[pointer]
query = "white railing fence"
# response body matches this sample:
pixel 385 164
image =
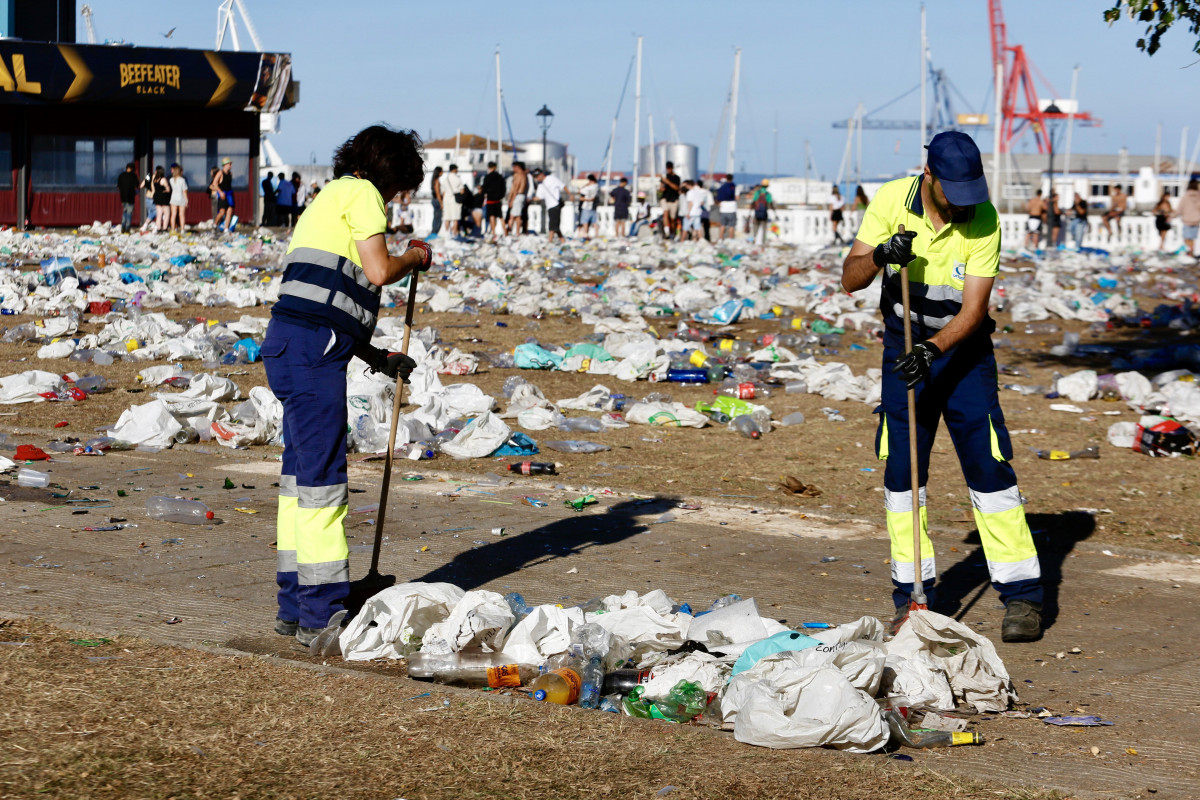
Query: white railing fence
pixel 812 227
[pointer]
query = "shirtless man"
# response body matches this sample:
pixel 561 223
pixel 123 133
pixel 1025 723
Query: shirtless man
pixel 1116 210
pixel 516 199
pixel 1033 226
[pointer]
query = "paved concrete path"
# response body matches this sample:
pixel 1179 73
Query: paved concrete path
pixel 1133 618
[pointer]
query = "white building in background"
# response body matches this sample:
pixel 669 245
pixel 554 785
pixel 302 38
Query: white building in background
pixel 471 153
pixel 1092 176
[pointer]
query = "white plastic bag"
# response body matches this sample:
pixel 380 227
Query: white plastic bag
pixel 976 674
pixel 545 631
pixel 150 424
pixel 479 438
pixel 401 615
pixel 479 618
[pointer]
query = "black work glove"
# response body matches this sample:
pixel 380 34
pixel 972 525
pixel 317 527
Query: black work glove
pixel 426 253
pixel 396 366
pixel 896 250
pixel 914 367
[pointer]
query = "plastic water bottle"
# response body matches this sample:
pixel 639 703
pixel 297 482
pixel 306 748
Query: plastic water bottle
pixel 735 347
pixel 92 383
pixel 795 418
pixel 476 669
pixel 32 479
pixel 173 509
pixel 795 387
pixel 1041 328
pixel 516 602
pixel 559 686
pixel 593 679
pixel 415 451
pixel 747 425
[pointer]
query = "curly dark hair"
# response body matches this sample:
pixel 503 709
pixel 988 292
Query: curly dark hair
pixel 390 159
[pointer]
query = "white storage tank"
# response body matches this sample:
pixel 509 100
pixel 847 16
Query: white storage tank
pixel 686 158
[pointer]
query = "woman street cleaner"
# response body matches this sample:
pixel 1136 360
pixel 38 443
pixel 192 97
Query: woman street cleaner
pixel 335 266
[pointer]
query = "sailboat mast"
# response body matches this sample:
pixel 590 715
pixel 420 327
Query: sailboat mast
pixel 637 121
pixel 499 128
pixel 737 69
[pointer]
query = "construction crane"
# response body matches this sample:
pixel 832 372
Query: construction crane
pixel 268 122
pixel 1019 88
pixel 941 116
pixel 86 13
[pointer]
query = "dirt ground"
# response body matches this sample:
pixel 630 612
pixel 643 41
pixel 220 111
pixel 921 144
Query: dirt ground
pixel 1138 502
pixel 86 716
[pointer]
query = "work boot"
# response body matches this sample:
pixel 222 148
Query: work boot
pixel 285 628
pixel 305 635
pixel 1022 622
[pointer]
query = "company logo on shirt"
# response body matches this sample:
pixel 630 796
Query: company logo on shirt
pixel 960 271
pixel 150 78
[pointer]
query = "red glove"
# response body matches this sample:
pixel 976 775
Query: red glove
pixel 426 253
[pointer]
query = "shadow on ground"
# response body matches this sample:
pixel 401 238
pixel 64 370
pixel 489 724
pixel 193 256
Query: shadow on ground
pixel 964 584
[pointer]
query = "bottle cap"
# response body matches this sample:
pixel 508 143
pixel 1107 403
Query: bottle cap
pixel 208 515
pixel 540 694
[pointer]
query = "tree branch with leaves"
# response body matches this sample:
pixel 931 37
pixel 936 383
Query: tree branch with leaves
pixel 1159 16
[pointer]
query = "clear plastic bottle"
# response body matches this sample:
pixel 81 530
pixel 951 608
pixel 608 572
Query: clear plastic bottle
pixel 186 435
pixel 715 414
pixel 795 418
pixel 476 669
pixel 174 509
pixel 902 734
pixel 592 674
pixel 92 383
pixel 1041 328
pixel 795 387
pixel 415 451
pixel 743 391
pixel 748 425
pixel 516 602
pixel 735 347
pixel 581 425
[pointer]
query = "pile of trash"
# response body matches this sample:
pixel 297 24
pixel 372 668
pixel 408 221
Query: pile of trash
pixel 838 686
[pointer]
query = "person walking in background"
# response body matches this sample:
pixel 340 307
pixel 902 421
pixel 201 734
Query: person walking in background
pixel 452 186
pixel 669 185
pixel 299 194
pixel 285 198
pixel 1162 219
pixel 1053 222
pixel 151 215
pixel 516 199
pixel 587 206
pixel 1079 220
pixel 836 204
pixel 212 194
pixel 726 209
pixel 694 195
pixel 621 199
pixel 179 199
pixel 162 200
pixel 268 195
pixel 1189 216
pixel 952 235
pixel 706 209
pixel 763 204
pixel 860 206
pixel 553 194
pixel 435 189
pixel 223 186
pixel 334 270
pixel 641 216
pixel 494 189
pixel 1036 209
pixel 127 189
pixel 1116 211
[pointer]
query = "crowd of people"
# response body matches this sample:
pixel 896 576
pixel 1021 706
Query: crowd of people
pixel 165 198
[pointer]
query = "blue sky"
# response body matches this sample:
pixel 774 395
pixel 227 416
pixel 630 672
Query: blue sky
pixel 805 63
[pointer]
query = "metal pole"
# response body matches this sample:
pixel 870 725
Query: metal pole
pixel 997 191
pixel 807 162
pixel 737 71
pixel 1183 137
pixel 1157 152
pixel 499 129
pixel 858 160
pixel 544 149
pixel 1071 123
pixel 774 148
pixel 637 122
pixel 924 80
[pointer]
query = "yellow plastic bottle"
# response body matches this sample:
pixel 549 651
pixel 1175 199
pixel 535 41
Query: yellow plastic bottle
pixel 559 686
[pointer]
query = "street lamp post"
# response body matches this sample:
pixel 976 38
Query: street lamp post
pixel 545 119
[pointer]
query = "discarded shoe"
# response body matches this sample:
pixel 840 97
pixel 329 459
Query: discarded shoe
pixel 305 636
pixel 285 628
pixel 1022 622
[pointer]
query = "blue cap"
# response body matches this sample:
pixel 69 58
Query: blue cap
pixel 955 161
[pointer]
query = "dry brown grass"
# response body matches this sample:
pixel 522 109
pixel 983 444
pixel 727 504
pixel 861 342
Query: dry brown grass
pixel 131 719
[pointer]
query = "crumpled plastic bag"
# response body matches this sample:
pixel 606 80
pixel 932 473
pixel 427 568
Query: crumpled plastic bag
pixel 479 617
pixel 28 386
pixel 802 706
pixel 702 668
pixel 917 682
pixel 532 356
pixel 537 419
pixel 1122 434
pixel 545 631
pixel 1078 387
pixel 401 615
pixel 590 400
pixel 525 396
pixel 645 629
pixel 976 674
pixel 673 415
pixel 479 438
pixel 151 424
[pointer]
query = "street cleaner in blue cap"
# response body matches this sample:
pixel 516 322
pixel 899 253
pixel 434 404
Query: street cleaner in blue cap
pixel 943 227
